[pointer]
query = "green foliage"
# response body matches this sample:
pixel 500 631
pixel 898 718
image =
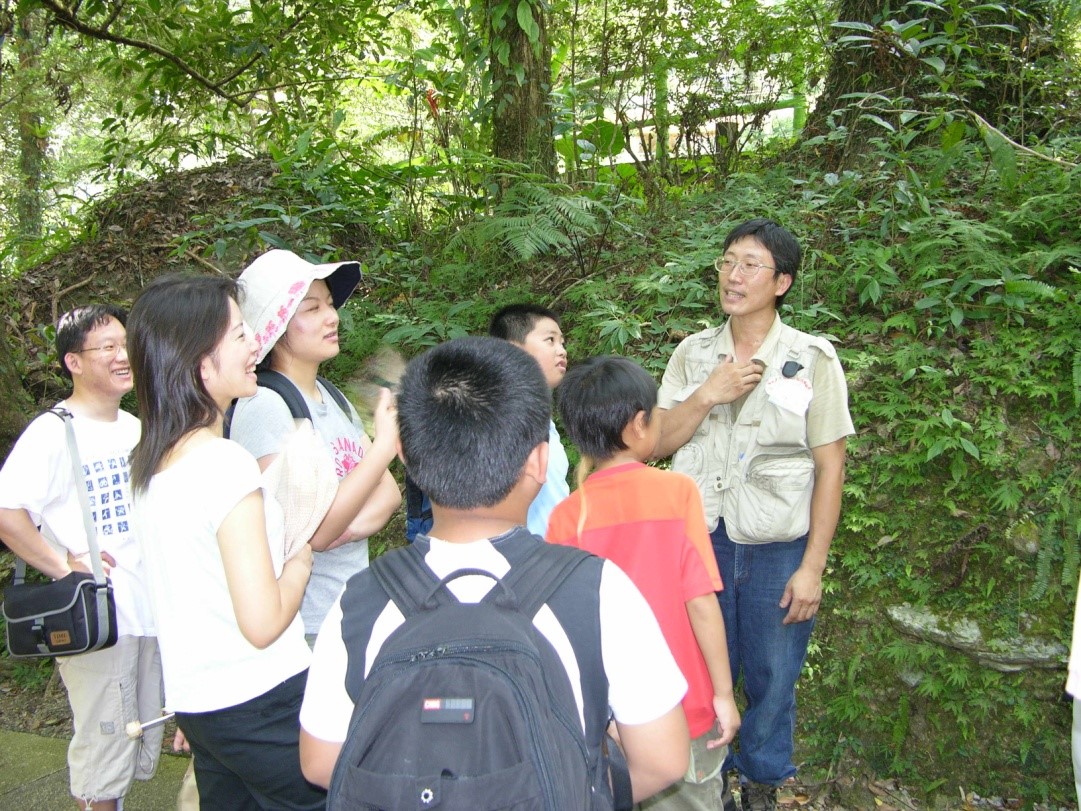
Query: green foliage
pixel 533 218
pixel 321 204
pixel 31 675
pixel 943 70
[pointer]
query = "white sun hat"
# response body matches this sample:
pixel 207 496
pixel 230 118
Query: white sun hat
pixel 303 480
pixel 272 287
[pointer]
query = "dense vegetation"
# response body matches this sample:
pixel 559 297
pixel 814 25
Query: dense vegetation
pixel 936 188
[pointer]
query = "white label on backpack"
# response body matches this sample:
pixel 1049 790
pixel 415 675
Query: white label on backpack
pixel 447 711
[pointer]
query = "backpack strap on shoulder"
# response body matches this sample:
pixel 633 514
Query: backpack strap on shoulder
pixel 535 579
pixel 336 395
pixel 284 388
pixel 287 390
pixel 407 579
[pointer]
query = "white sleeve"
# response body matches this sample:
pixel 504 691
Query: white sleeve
pixel 327 707
pixel 644 680
pixel 37 471
pixel 235 476
pixel 261 423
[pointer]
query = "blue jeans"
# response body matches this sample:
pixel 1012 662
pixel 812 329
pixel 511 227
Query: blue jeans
pixel 768 653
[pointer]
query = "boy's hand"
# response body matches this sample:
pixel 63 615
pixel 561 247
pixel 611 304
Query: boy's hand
pixel 728 721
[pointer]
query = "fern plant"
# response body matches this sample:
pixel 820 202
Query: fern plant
pixel 532 219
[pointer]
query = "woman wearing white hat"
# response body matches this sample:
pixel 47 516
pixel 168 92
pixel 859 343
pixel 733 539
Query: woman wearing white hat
pixel 292 306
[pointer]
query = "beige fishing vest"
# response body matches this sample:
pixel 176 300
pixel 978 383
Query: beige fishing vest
pixel 756 468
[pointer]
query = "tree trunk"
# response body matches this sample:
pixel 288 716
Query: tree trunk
pixel 520 68
pixel 852 70
pixel 999 63
pixel 32 141
pixel 16 406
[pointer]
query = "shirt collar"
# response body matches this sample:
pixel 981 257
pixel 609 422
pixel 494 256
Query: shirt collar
pixel 764 352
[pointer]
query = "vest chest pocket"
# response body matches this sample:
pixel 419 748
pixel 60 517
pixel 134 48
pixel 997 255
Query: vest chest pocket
pixel 782 427
pixel 691 459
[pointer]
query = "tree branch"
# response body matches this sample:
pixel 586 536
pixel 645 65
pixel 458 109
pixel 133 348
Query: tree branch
pixel 67 19
pixel 247 65
pixel 305 83
pixel 117 8
pixel 982 122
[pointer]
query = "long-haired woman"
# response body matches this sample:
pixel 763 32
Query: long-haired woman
pixel 225 599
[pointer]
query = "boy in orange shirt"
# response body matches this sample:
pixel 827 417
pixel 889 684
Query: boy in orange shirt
pixel 651 523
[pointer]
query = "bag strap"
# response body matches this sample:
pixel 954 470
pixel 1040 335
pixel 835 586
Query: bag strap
pixel 294 400
pixel 620 775
pixel 336 395
pixel 535 579
pixel 79 483
pixel 407 579
pixel 287 390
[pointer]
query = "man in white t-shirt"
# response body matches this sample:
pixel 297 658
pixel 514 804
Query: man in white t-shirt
pixel 473 419
pixel 41 521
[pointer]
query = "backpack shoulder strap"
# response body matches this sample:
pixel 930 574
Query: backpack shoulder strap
pixel 336 395
pixel 535 579
pixel 287 390
pixel 284 388
pixel 407 579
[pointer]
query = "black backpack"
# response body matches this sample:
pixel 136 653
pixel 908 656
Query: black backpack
pixel 468 706
pixel 294 400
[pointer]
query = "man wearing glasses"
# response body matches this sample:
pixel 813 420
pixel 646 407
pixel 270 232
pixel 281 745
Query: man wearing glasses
pixel 756 413
pixel 108 688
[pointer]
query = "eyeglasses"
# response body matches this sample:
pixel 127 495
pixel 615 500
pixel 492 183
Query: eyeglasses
pixel 107 350
pixel 750 269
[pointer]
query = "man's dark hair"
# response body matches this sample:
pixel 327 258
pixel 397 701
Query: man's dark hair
pixel 469 413
pixel 598 397
pixel 515 321
pixel 74 325
pixel 775 238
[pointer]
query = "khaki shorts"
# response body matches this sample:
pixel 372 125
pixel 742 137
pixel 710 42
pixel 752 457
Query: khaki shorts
pixel 107 689
pixel 701 788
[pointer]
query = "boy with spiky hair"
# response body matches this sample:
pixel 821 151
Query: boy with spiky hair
pixel 473 425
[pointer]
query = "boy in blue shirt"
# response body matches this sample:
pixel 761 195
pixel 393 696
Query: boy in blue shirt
pixel 537 330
